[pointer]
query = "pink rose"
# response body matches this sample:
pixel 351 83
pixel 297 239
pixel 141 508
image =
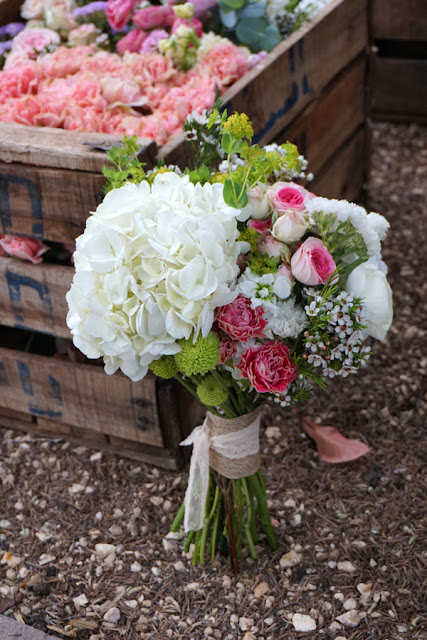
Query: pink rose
pixel 227 349
pixel 258 203
pixel 262 226
pixel 119 12
pixel 131 42
pixel 271 247
pixel 290 226
pixel 31 41
pixel 288 195
pixel 23 248
pixel 268 366
pixel 192 23
pixel 152 17
pixel 312 263
pixel 239 321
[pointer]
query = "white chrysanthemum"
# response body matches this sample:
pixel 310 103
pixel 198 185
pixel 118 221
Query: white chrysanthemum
pixel 285 319
pixel 151 267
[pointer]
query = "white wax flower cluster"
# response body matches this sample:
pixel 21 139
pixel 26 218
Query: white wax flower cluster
pixel 151 266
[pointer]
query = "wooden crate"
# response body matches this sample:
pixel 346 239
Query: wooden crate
pixel 399 60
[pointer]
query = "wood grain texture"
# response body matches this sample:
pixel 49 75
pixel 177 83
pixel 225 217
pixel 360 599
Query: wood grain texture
pixel 112 444
pixel 399 19
pixel 399 88
pixel 58 148
pixel 343 176
pixel 32 296
pixel 80 395
pixel 323 127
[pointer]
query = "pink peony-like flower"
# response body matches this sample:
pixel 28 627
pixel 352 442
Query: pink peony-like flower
pixel 288 195
pixel 132 42
pixel 23 248
pixel 239 321
pixel 31 41
pixel 64 61
pixel 152 17
pixel 120 90
pixel 192 23
pixel 227 349
pixel 268 366
pixel 119 12
pixel 18 81
pixel 312 263
pixel 151 42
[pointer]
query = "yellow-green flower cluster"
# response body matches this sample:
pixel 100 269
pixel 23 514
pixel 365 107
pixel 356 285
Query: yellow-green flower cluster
pixel 211 392
pixel 239 126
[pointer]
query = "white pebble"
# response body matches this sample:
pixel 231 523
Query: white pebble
pixel 302 622
pixel 290 559
pixel 246 623
pixel 80 600
pixel 112 615
pixel 346 566
pixel 364 588
pixel 96 457
pixel 103 549
pixel 136 567
pixel 349 604
pixel 350 618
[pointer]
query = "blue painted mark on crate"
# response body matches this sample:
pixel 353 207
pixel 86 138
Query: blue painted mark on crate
pixel 301 50
pixel 25 377
pixel 4 380
pixel 55 389
pixel 273 117
pixel 15 282
pixel 35 201
pixel 306 89
pixel 291 59
pixel 27 387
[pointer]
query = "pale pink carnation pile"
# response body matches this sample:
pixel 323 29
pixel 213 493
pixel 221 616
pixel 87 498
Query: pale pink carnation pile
pixel 85 89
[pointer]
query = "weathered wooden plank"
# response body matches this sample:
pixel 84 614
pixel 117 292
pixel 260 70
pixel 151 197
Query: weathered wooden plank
pixel 80 395
pixel 399 20
pixel 51 429
pixel 9 10
pixel 343 176
pixel 41 202
pixel 323 127
pixel 296 71
pixel 33 296
pixel 58 148
pixel 399 88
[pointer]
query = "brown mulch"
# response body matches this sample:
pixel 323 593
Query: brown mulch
pixel 355 525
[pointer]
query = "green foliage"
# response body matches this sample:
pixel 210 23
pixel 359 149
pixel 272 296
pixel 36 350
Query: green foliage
pixel 202 174
pixel 261 264
pixel 127 166
pixel 341 240
pixel 246 22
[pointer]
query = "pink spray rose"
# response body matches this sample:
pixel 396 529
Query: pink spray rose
pixel 258 203
pixel 288 195
pixel 119 12
pixel 268 366
pixel 152 17
pixel 312 263
pixel 290 226
pixel 239 321
pixel 23 248
pixel 271 247
pixel 131 42
pixel 262 226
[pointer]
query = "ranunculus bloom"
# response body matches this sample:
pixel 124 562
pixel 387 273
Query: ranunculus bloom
pixel 23 248
pixel 152 17
pixel 312 263
pixel 268 366
pixel 369 283
pixel 262 226
pixel 239 321
pixel 132 42
pixel 290 226
pixel 227 349
pixel 288 195
pixel 119 12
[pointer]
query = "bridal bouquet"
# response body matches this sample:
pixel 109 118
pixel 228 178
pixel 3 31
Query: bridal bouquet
pixel 241 284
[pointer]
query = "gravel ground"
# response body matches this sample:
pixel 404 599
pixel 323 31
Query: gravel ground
pixel 84 534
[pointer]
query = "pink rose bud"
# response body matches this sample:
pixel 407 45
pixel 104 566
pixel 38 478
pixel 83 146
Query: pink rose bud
pixel 152 17
pixel 131 42
pixel 312 263
pixel 268 366
pixel 262 226
pixel 259 204
pixel 191 23
pixel 23 248
pixel 288 195
pixel 290 226
pixel 151 42
pixel 239 321
pixel 271 247
pixel 119 12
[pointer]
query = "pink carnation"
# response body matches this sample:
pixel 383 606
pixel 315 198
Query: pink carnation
pixel 268 366
pixel 64 61
pixel 312 263
pixel 23 248
pixel 23 78
pixel 225 61
pixel 239 321
pixel 119 12
pixel 152 41
pixel 32 41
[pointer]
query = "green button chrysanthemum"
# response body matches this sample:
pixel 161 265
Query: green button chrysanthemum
pixel 199 357
pixel 210 392
pixel 165 367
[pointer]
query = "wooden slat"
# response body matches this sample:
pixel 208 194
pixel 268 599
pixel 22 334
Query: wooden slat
pixel 329 121
pixel 80 395
pixel 343 177
pixel 51 429
pixel 399 19
pixel 9 10
pixel 58 148
pixel 296 71
pixel 51 204
pixel 399 88
pixel 32 296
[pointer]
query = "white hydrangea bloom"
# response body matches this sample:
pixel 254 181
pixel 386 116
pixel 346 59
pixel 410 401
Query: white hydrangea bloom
pixel 151 267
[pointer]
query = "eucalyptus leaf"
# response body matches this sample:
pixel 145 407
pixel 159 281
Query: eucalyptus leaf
pixel 232 4
pixel 254 10
pixel 228 18
pixel 270 38
pixel 248 31
pixel 233 194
